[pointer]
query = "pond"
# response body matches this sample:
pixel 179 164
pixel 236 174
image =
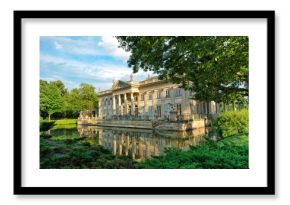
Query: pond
pixel 138 144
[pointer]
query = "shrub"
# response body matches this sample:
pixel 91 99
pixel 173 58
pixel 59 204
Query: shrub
pixel 232 123
pixel 46 125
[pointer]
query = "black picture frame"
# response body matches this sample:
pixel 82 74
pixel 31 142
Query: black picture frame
pixel 19 189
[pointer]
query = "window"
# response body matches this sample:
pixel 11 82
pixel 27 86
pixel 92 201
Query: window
pixel 178 92
pixel 150 110
pixel 158 94
pixel 167 94
pixel 167 108
pixel 179 111
pixel 150 95
pixel 158 110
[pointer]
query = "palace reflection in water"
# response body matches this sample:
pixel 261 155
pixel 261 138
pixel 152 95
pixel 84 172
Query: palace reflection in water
pixel 140 144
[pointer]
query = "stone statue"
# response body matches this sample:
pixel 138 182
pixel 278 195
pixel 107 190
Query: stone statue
pixel 131 77
pixel 148 76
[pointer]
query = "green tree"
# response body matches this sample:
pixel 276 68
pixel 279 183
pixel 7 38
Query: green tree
pixel 57 101
pixel 213 67
pixel 88 96
pixel 50 98
pixel 73 103
pixel 60 85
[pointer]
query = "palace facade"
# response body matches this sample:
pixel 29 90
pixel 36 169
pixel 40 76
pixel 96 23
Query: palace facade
pixel 150 99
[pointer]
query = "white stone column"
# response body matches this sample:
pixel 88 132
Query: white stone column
pixel 114 145
pixel 133 148
pixel 132 103
pixel 153 110
pixel 144 110
pixel 119 104
pixel 99 109
pixel 125 101
pixel 139 104
pixel 114 105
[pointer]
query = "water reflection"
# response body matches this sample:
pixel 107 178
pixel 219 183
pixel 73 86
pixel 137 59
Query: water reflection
pixel 140 144
pixel 137 143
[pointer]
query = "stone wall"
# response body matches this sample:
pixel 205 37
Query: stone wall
pixel 118 123
pixel 172 126
pixel 182 126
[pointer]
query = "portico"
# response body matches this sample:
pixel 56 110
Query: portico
pixel 125 103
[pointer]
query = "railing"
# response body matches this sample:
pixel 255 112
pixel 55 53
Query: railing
pixel 179 118
pixel 152 80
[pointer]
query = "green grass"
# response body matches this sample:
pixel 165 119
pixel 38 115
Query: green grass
pixel 65 124
pixel 231 153
pixel 65 121
pixel 58 124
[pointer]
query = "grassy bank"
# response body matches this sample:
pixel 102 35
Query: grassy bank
pixel 75 152
pixel 46 125
pixel 57 124
pixel 65 121
pixel 65 124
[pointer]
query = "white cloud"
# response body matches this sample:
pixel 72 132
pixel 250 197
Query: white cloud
pixel 81 46
pixel 110 44
pixel 57 45
pixel 102 72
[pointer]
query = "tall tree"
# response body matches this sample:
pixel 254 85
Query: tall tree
pixel 88 96
pixel 73 103
pixel 214 67
pixel 60 85
pixel 50 98
pixel 56 100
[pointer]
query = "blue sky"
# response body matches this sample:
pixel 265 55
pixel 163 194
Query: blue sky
pixel 84 59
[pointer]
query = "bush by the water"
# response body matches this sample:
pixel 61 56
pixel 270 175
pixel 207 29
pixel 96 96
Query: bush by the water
pixel 74 152
pixel 46 125
pixel 232 122
pixel 229 153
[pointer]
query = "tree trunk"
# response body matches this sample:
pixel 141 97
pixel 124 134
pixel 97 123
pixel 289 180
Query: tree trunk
pixel 48 117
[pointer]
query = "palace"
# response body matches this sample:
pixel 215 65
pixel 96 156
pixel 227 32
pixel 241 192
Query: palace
pixel 150 99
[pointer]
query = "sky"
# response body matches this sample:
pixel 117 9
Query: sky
pixel 96 60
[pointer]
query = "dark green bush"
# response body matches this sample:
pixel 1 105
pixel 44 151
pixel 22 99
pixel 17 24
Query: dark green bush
pixel 229 153
pixel 232 122
pixel 46 125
